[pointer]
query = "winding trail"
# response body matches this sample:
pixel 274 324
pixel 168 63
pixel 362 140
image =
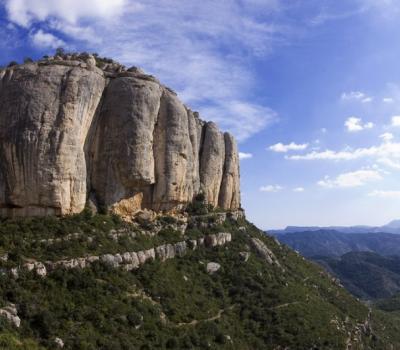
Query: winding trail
pixel 213 318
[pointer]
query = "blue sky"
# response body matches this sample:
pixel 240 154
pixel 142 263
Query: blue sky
pixel 310 88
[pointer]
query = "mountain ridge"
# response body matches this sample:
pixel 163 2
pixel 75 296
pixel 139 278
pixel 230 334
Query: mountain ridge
pixel 391 227
pixel 334 243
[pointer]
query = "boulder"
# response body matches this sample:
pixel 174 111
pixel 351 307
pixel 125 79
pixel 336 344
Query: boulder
pixel 180 248
pixel 210 240
pixel 212 267
pixel 59 343
pixel 110 260
pixel 40 269
pixel 166 251
pixel 9 312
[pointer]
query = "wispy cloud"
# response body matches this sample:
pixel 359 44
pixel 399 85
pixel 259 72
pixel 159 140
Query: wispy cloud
pixel 386 150
pixel 271 188
pixel 243 155
pixel 387 136
pixel 387 100
pixel 385 8
pixel 42 39
pixel 385 194
pixel 354 124
pixel 351 179
pixel 396 120
pixel 298 189
pixel 356 96
pixel 200 49
pixel 292 146
pixel 26 12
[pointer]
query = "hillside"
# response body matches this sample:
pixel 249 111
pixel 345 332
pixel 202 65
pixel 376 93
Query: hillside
pixel 366 275
pixel 334 243
pixel 122 227
pixel 258 295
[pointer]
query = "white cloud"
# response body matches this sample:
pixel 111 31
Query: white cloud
pixel 387 136
pixel 354 124
pixel 25 12
pixel 388 100
pixel 351 179
pixel 386 150
pixel 367 99
pixel 45 40
pixel 299 189
pixel 242 118
pixel 356 96
pixel 200 49
pixel 386 9
pixel 271 188
pixel 385 194
pixel 280 147
pixel 389 162
pixel 324 130
pixel 396 120
pixel 243 155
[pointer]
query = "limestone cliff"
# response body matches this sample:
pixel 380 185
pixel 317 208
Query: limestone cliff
pixel 71 131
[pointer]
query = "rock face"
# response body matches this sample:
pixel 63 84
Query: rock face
pixel 72 133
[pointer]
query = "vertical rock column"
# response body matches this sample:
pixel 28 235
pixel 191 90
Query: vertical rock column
pixel 212 163
pixel 174 155
pixel 229 196
pixel 46 111
pixel 123 169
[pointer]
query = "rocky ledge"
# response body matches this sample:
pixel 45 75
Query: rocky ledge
pixel 126 260
pixel 75 130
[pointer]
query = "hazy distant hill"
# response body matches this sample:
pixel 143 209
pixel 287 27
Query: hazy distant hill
pixel 334 243
pixel 391 227
pixel 367 264
pixel 364 274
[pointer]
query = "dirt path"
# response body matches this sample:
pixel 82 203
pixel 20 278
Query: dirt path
pixel 213 318
pixel 284 305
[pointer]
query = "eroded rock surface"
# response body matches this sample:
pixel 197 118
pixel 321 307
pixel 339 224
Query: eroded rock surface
pixel 72 133
pixel 9 312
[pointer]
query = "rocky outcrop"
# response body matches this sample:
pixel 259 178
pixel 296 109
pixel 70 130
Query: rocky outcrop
pixel 45 116
pixel 218 239
pixel 212 267
pixel 71 132
pixel 264 252
pixel 127 260
pixel 9 312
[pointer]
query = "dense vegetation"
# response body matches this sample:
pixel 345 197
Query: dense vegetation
pixel 176 304
pixel 366 275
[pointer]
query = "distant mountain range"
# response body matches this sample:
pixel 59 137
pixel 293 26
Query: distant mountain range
pixel 333 243
pixel 365 259
pixel 391 227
